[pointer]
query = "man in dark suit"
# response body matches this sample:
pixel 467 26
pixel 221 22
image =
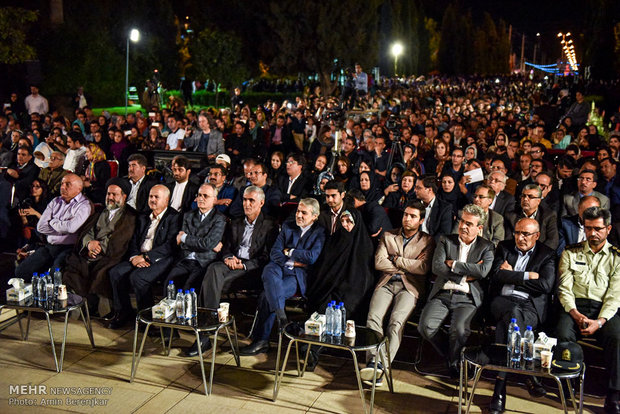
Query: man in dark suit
pixel 571 227
pixel 374 216
pixel 459 262
pixel 297 247
pixel 294 185
pixel 141 185
pixel 151 252
pixel 22 172
pixel 329 218
pixel 522 278
pixel 504 203
pixel 183 189
pixel 438 220
pixel 247 243
pixel 258 178
pixel 586 183
pixel 547 219
pixel 199 240
pixel 281 136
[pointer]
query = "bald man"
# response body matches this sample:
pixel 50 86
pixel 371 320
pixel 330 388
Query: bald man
pixel 522 278
pixel 151 252
pixel 59 224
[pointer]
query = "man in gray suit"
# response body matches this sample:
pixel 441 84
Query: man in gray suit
pixel 200 240
pixel 586 182
pixel 494 226
pixel 459 262
pixel 206 138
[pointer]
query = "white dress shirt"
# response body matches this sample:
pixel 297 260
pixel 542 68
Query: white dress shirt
pixel 177 195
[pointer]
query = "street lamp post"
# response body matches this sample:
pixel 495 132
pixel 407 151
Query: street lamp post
pixel 134 36
pixel 397 50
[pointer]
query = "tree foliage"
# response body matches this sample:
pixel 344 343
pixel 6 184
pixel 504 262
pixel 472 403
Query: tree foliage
pixel 14 23
pixel 311 35
pixel 217 56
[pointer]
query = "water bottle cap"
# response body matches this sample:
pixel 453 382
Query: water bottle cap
pixel 516 329
pixel 513 320
pixel 529 328
pixel 341 304
pixel 35 274
pixel 180 290
pixel 58 269
pixel 192 290
pixel 186 292
pixel 171 282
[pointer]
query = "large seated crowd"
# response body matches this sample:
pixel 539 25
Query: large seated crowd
pixel 496 198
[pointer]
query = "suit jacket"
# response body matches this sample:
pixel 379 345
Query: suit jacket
pixel 542 261
pixel 87 276
pixel 548 223
pixel 570 203
pixel 439 222
pixel 263 237
pixel 164 242
pixel 504 204
pixel 270 208
pixel 202 236
pixel 448 249
pixel 215 146
pixel 142 199
pixel 493 229
pixel 189 194
pixel 569 232
pixel 306 249
pixel 299 188
pixel 414 261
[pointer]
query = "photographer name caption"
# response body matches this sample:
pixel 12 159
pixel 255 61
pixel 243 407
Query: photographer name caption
pixel 43 395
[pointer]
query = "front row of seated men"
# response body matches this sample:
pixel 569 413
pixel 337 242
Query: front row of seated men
pixel 521 272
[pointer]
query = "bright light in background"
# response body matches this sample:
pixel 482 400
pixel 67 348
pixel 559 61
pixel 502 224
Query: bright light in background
pixel 397 49
pixel 134 35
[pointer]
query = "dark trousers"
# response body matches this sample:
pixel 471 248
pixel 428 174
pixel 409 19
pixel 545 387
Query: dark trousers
pixel 217 281
pixel 608 336
pixel 280 284
pixel 124 275
pixel 186 274
pixel 461 309
pixel 503 309
pixel 46 256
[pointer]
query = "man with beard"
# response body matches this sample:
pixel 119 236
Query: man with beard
pixel 588 293
pixel 225 192
pixel 183 189
pixel 296 247
pixel 101 245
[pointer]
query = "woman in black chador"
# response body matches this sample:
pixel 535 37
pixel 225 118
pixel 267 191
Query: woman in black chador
pixel 345 270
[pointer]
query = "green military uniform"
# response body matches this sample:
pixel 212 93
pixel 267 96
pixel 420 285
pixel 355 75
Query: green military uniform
pixel 590 283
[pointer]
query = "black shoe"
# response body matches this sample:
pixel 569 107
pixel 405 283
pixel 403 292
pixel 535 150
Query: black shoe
pixel 108 316
pixel 498 401
pixel 535 387
pixel 192 351
pixel 121 319
pixel 612 407
pixel 255 348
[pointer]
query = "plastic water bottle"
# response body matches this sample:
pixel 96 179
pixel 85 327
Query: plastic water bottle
pixel 42 288
pixel 528 344
pixel 188 305
pixel 337 329
pixel 511 328
pixel 180 306
pixel 329 316
pixel 49 286
pixel 192 291
pixel 170 291
pixel 515 346
pixel 57 281
pixel 35 286
pixel 343 320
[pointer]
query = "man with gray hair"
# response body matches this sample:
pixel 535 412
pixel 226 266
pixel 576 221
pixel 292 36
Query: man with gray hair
pixel 199 239
pixel 460 261
pixel 522 279
pixel 531 197
pixel 246 245
pixel 151 252
pixel 504 202
pixel 52 174
pixel 296 247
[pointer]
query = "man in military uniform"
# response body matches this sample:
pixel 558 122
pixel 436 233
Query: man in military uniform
pixel 589 292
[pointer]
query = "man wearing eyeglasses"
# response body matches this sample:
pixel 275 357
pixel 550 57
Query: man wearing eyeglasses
pixel 586 182
pixel 522 279
pixel 588 293
pixel 53 173
pixel 550 194
pixel 547 219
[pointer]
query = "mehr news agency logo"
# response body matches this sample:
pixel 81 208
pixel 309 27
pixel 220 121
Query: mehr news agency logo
pixel 44 396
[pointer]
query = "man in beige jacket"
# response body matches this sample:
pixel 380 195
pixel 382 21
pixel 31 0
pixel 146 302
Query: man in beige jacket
pixel 404 257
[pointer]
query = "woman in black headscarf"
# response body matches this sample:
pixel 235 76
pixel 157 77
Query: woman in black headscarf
pixel 344 272
pixel 449 192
